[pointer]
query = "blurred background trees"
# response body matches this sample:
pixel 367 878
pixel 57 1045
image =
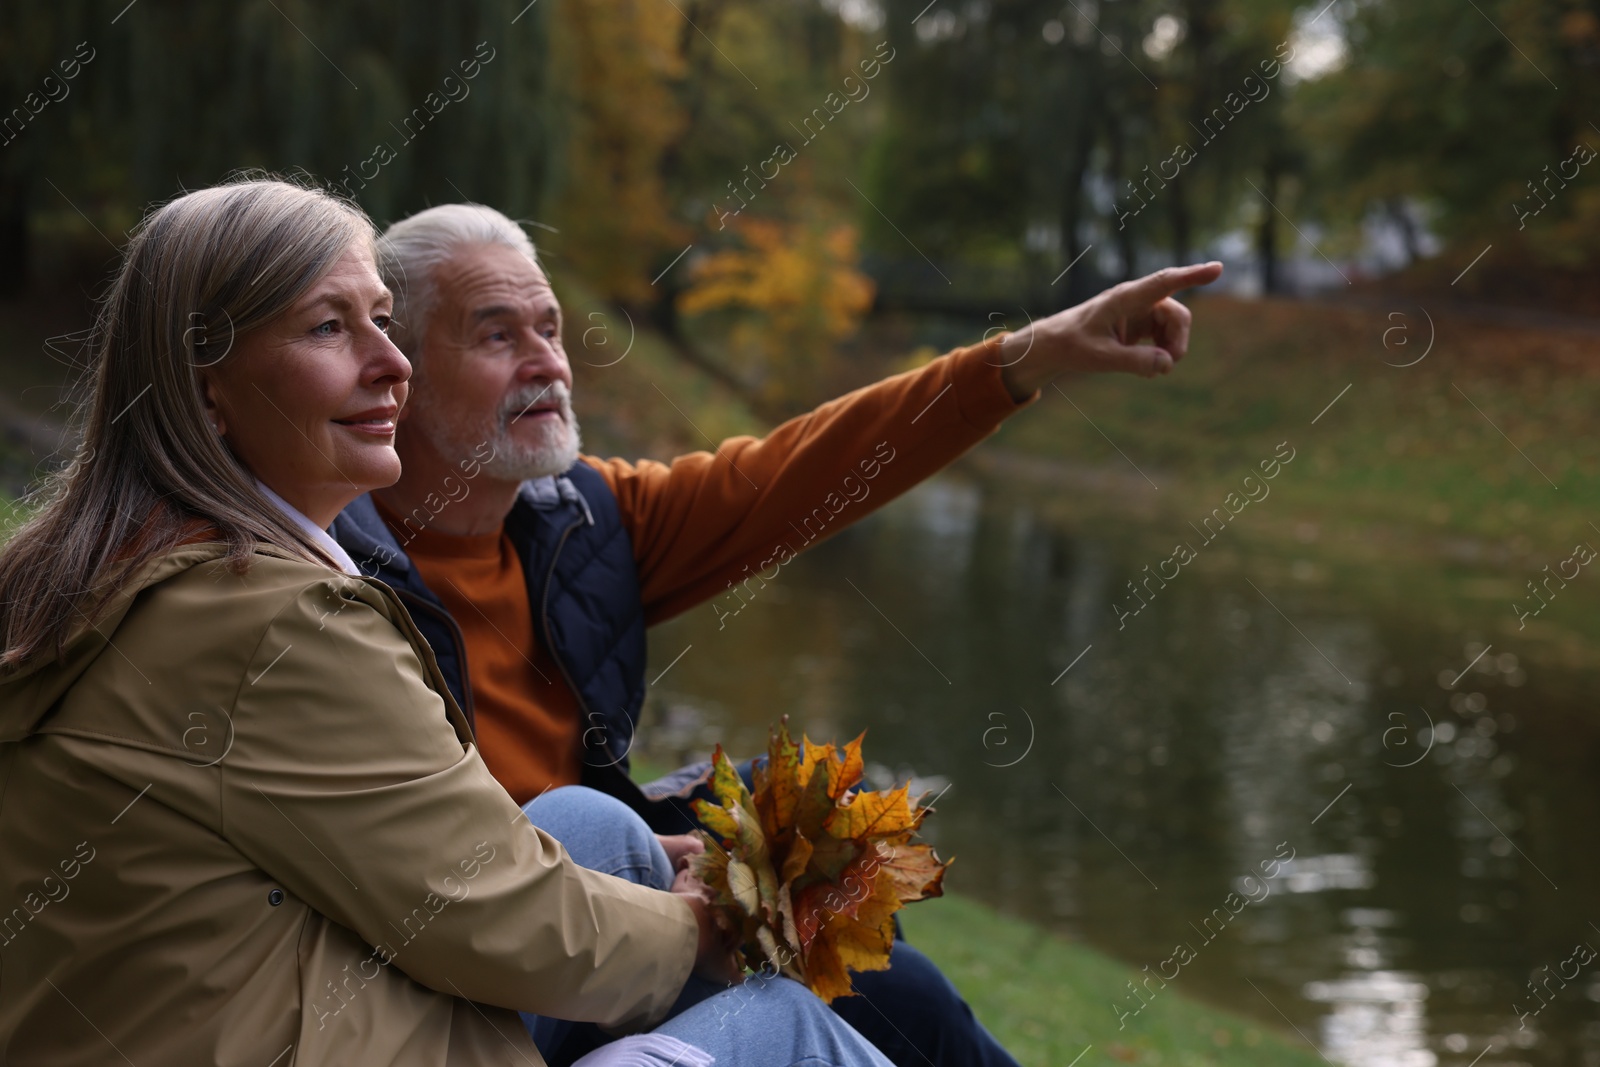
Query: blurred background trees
pixel 997 143
pixel 180 94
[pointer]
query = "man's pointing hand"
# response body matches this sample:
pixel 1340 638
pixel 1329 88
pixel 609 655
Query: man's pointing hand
pixel 1104 333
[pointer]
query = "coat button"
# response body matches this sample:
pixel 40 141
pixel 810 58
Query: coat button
pixel 275 897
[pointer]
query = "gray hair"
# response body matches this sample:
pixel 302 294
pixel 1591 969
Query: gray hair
pixel 411 250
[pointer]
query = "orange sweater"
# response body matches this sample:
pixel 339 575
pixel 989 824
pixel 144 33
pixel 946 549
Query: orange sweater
pixel 698 525
pixel 524 715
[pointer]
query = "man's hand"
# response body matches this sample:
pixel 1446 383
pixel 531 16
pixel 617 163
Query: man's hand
pixel 716 955
pixel 1104 332
pixel 680 847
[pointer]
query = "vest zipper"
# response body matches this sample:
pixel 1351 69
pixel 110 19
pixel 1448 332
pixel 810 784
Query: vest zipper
pixel 544 618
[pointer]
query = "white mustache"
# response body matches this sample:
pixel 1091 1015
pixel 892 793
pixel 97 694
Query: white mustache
pixel 524 399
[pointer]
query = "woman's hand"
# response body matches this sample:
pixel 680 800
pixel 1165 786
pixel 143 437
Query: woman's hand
pixel 716 956
pixel 680 848
pixel 1103 333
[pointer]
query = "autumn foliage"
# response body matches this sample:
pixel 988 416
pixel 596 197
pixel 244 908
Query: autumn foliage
pixel 783 295
pixel 811 873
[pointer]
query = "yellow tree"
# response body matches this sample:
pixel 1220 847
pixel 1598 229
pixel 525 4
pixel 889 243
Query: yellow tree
pixel 788 293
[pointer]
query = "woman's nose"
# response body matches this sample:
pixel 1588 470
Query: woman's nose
pixel 386 361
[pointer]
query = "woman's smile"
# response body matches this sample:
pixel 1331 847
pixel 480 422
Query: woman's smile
pixel 376 422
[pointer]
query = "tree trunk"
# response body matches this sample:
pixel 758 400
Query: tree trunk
pixel 1181 224
pixel 1200 36
pixel 1074 288
pixel 1267 236
pixel 1124 236
pixel 1396 208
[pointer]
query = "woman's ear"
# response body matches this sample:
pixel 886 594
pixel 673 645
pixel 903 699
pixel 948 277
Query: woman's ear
pixel 210 399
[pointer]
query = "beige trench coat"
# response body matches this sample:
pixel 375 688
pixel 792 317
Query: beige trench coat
pixel 245 823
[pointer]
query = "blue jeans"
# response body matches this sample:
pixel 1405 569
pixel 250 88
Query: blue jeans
pixel 766 1022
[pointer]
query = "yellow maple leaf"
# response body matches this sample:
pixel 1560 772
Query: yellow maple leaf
pixel 810 872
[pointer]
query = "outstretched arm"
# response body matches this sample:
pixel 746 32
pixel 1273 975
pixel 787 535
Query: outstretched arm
pixel 712 519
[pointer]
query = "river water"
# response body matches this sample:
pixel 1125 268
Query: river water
pixel 1287 796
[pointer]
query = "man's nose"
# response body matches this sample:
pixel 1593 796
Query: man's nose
pixel 540 358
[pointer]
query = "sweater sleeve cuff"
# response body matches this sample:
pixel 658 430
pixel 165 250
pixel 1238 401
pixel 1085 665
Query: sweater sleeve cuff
pixel 984 400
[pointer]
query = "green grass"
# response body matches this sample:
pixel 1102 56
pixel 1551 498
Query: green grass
pixel 1045 999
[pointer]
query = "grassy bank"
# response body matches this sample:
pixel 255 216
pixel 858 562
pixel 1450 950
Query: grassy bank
pixel 1045 999
pixel 1487 437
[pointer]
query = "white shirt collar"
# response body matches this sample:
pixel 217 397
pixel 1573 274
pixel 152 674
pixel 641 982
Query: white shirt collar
pixel 320 536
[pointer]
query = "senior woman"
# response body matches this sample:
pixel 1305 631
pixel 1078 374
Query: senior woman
pixel 241 819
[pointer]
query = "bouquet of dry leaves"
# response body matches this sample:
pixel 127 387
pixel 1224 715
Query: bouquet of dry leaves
pixel 810 873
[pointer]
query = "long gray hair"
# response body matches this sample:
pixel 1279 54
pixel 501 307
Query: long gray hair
pixel 150 469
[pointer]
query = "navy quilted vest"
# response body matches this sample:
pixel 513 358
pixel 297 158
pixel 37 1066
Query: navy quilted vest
pixel 584 588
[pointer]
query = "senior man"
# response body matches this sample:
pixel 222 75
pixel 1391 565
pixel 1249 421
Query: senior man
pixel 534 571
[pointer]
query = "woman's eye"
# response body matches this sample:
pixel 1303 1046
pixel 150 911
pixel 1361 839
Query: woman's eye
pixel 326 329
pixel 383 322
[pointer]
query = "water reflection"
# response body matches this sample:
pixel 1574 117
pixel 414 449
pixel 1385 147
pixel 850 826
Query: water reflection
pixel 1376 1017
pixel 1435 793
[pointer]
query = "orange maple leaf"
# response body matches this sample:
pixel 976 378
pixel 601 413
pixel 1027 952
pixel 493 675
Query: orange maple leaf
pixel 810 873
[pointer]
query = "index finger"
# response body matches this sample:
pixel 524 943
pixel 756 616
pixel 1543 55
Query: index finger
pixel 1141 294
